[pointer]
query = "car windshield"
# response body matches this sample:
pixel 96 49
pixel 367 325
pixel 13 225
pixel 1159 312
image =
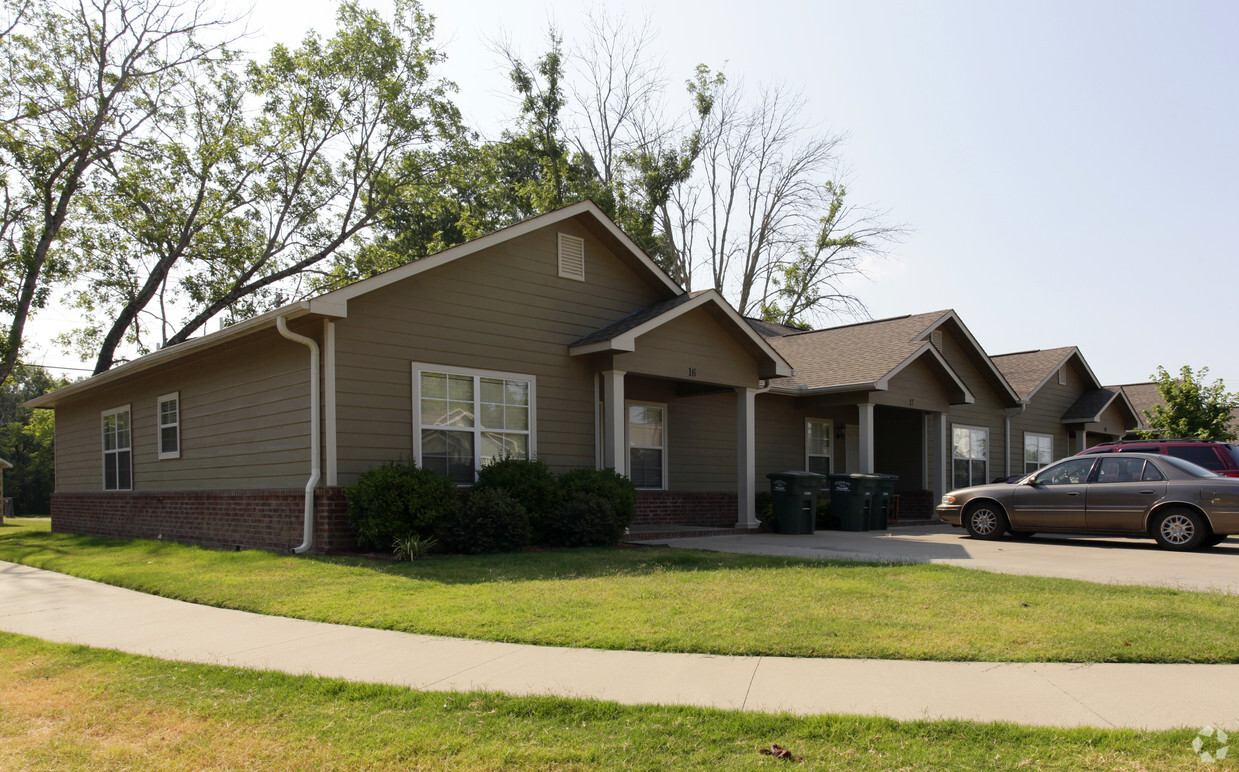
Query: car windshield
pixel 1195 470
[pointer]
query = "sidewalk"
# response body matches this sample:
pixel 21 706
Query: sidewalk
pixel 60 608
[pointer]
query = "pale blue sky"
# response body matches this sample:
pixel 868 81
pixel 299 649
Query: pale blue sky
pixel 1069 168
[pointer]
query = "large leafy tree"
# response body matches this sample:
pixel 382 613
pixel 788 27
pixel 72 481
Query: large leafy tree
pixel 26 440
pixel 1192 407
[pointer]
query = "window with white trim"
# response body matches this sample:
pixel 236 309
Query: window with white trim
pixel 466 419
pixel 1038 451
pixel 169 410
pixel 969 456
pixel 817 444
pixel 117 450
pixel 647 445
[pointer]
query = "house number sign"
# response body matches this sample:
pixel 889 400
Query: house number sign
pixel 692 372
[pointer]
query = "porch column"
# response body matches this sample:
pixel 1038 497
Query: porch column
pixel 1083 440
pixel 614 452
pixel 746 458
pixel 940 457
pixel 866 437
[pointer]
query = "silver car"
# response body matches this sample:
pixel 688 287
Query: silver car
pixel 1179 504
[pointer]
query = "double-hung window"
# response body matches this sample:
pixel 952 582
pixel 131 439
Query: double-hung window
pixel 647 445
pixel 969 456
pixel 466 419
pixel 170 426
pixel 1038 451
pixel 117 450
pixel 817 445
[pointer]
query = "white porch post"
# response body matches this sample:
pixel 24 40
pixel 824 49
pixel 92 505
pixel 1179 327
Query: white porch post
pixel 1083 440
pixel 940 456
pixel 614 452
pixel 866 437
pixel 746 458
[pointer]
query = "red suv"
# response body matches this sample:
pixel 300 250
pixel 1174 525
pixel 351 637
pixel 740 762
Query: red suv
pixel 1221 457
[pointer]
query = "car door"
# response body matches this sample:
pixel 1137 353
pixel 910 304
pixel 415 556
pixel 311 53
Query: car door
pixel 1054 498
pixel 1123 491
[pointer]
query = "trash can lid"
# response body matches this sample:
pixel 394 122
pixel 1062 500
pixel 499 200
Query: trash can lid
pixel 797 475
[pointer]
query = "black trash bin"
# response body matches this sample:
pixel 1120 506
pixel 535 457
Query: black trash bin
pixel 852 500
pixel 880 512
pixel 794 500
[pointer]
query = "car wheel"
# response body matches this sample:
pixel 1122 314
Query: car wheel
pixel 1215 540
pixel 985 520
pixel 1179 529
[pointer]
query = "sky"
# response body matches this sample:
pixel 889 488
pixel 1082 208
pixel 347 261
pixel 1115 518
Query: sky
pixel 1068 170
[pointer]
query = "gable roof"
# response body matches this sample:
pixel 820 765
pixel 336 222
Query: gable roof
pixel 622 335
pixel 1089 406
pixel 1028 371
pixel 1142 396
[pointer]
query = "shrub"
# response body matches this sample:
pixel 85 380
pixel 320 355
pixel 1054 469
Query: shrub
pixel 490 521
pixel 764 506
pixel 529 482
pixel 584 520
pixel 606 484
pixel 397 500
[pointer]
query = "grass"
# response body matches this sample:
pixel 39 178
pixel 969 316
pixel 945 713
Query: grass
pixel 652 599
pixel 69 707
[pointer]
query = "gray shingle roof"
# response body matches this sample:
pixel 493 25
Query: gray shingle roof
pixel 1089 405
pixel 1142 396
pixel 771 329
pixel 856 353
pixel 635 319
pixel 1026 370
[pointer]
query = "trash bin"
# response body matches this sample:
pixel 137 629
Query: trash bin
pixel 880 512
pixel 794 500
pixel 852 500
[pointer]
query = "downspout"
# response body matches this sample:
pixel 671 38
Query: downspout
pixel 1007 415
pixel 307 537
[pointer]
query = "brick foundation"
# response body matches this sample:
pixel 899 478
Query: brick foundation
pixel 270 519
pixel 717 510
pixel 917 505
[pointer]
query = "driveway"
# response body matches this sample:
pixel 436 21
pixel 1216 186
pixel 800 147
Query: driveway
pixel 1091 558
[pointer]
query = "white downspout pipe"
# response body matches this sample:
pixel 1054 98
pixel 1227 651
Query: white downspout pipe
pixel 307 537
pixel 1007 415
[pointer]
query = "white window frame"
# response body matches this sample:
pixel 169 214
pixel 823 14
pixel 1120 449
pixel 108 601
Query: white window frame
pixel 477 429
pixel 830 436
pixel 970 459
pixel 103 446
pixel 1038 436
pixel 631 403
pixel 160 425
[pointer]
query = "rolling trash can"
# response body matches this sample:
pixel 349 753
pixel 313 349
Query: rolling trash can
pixel 880 512
pixel 794 500
pixel 852 500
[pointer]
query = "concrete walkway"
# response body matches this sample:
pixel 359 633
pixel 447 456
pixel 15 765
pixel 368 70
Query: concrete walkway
pixel 60 608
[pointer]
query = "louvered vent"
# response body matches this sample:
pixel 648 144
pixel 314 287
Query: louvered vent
pixel 1062 376
pixel 936 338
pixel 571 257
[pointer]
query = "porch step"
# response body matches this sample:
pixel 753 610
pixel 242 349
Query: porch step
pixel 644 533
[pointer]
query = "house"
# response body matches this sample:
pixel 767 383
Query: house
pixel 556 338
pixel 1143 396
pixel 1065 408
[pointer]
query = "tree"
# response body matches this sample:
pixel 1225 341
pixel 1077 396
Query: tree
pixel 81 83
pixel 26 439
pixel 1192 408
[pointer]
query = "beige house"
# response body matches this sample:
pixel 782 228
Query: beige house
pixel 1066 409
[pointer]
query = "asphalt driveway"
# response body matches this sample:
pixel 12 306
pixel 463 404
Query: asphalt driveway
pixel 1091 558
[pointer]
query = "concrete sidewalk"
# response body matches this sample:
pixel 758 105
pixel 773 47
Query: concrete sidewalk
pixel 60 608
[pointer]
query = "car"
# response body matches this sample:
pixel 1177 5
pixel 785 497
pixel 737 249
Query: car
pixel 1179 504
pixel 1220 457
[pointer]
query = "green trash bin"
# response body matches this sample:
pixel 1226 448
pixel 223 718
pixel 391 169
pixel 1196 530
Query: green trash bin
pixel 794 500
pixel 880 512
pixel 852 500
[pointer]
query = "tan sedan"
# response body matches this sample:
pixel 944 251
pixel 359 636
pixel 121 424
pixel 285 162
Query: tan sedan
pixel 1179 504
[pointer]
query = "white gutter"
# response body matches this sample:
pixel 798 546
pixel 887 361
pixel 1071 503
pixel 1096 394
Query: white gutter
pixel 307 539
pixel 1007 415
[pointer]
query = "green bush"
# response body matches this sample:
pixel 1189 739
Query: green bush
pixel 397 500
pixel 529 482
pixel 606 484
pixel 584 519
pixel 764 506
pixel 491 520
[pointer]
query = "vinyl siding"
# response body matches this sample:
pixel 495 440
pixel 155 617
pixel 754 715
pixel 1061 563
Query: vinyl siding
pixel 985 412
pixel 701 435
pixel 244 421
pixel 692 347
pixel 504 309
pixel 1044 415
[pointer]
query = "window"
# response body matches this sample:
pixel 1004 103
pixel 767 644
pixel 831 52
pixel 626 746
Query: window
pixel 1038 451
pixel 117 450
pixel 817 445
pixel 170 425
pixel 969 455
pixel 466 419
pixel 1119 469
pixel 647 445
pixel 1073 472
pixel 1204 455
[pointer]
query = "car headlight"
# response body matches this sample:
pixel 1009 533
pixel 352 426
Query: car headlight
pixel 948 498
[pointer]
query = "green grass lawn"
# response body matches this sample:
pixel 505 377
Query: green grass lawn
pixel 71 707
pixel 658 599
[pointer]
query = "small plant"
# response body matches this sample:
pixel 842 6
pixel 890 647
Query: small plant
pixel 413 547
pixel 764 507
pixel 489 521
pixel 395 500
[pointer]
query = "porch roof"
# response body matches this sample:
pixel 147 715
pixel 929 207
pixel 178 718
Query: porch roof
pixel 1091 404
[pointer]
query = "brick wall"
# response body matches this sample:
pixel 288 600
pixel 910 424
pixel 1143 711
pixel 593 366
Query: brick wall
pixel 269 519
pixel 670 508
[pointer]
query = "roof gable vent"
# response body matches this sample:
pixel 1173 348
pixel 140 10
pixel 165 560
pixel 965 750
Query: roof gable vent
pixel 571 257
pixel 936 338
pixel 1062 375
